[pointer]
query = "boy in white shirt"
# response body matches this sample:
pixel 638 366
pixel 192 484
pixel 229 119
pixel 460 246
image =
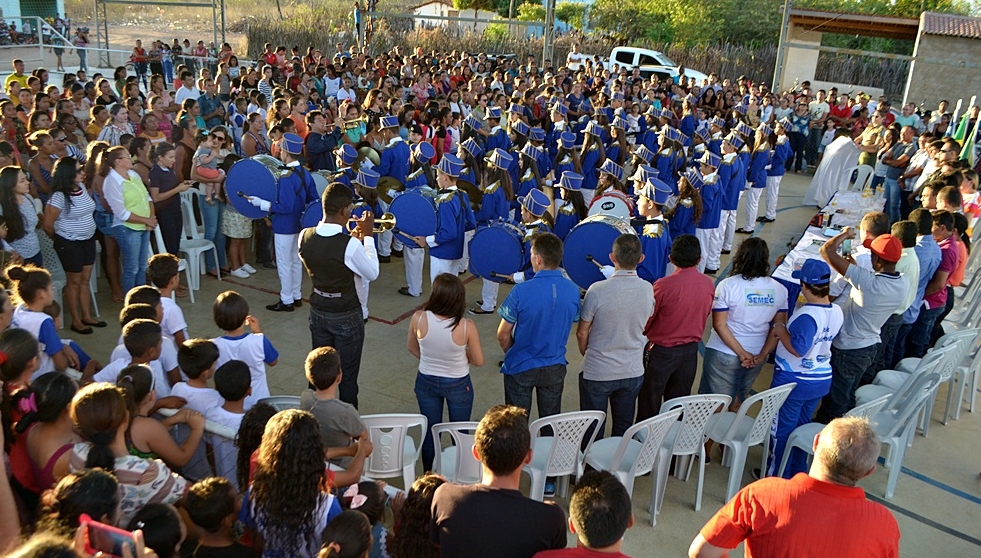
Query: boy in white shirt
pixel 162 272
pixel 142 339
pixel 232 316
pixel 197 358
pixel 167 361
pixel 233 382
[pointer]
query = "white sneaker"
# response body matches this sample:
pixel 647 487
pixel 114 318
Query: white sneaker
pixel 240 273
pixel 249 269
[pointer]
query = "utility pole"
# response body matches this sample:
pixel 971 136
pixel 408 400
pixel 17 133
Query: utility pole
pixel 778 67
pixel 548 34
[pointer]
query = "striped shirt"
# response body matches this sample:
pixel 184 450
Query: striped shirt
pixel 28 245
pixel 76 221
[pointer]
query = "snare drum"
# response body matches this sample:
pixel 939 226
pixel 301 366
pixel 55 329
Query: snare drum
pixel 256 176
pixel 612 202
pixel 593 237
pixel 312 215
pixel 416 215
pixel 497 248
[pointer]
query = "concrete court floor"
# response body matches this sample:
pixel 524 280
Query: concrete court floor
pixel 937 503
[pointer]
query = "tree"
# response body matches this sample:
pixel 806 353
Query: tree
pixel 475 5
pixel 531 12
pixel 571 14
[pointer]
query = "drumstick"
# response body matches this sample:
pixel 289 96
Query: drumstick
pixel 499 275
pixel 589 258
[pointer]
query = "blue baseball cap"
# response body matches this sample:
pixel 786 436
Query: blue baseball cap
pixel 292 144
pixel 813 272
pixel 536 202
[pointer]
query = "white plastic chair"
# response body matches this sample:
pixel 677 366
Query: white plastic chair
pixel 897 426
pixel 802 437
pixel 963 376
pixel 456 461
pixel 220 437
pixel 282 402
pixel 864 177
pixel 636 452
pixel 738 431
pixel 395 452
pixel 181 262
pixel 193 243
pixel 687 439
pixel 559 455
pixel 962 341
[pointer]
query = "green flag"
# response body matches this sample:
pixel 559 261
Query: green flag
pixel 968 152
pixel 961 131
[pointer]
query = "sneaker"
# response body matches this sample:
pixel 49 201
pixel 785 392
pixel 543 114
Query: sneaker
pixel 240 273
pixel 550 489
pixel 248 268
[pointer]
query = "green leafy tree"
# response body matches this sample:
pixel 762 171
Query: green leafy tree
pixel 571 14
pixel 531 12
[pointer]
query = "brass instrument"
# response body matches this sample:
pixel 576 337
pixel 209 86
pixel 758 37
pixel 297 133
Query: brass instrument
pixel 354 122
pixel 388 184
pixel 366 153
pixel 384 223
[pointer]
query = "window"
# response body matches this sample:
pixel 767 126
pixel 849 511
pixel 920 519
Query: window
pixel 625 57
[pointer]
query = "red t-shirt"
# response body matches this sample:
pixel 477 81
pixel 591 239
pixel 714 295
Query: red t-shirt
pixel 682 304
pixel 841 111
pixel 804 518
pixel 578 552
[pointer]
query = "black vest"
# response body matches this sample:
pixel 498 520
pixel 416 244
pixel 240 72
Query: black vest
pixel 333 282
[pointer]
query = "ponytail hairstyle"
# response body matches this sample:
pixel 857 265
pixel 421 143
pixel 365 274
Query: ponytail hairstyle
pixel 347 536
pixel 137 144
pixel 93 159
pixel 18 348
pixel 29 281
pixel 50 395
pixel 90 491
pixel 109 158
pixel 98 411
pixel 136 383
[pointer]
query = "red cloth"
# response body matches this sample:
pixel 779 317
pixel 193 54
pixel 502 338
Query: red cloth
pixel 578 552
pixel 682 304
pixel 804 518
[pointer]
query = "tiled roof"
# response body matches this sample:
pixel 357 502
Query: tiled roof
pixel 933 23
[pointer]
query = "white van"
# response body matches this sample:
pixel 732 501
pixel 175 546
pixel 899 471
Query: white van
pixel 651 62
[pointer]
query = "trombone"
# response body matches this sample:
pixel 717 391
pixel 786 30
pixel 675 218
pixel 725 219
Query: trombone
pixel 384 223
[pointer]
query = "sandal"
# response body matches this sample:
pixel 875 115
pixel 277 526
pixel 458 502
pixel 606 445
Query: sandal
pixel 95 324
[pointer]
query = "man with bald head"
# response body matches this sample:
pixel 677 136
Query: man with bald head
pixel 819 513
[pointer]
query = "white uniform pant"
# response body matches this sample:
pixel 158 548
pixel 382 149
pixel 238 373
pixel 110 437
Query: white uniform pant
pixel 465 260
pixel 772 192
pixel 289 267
pixel 707 241
pixel 414 258
pixel 439 265
pixel 383 240
pixel 361 285
pixel 728 226
pixel 488 295
pixel 752 207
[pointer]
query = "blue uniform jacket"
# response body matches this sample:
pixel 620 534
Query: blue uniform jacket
pixel 590 161
pixel 395 161
pixel 655 239
pixel 455 218
pixel 757 167
pixel 296 190
pixel 778 162
pixel 711 205
pixel 731 182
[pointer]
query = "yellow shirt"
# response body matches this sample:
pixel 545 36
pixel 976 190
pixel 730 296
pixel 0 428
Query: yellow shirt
pixel 22 78
pixel 137 200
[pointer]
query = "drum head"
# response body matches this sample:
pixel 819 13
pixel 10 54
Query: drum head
pixel 313 214
pixel 416 214
pixel 321 179
pixel 498 248
pixel 611 204
pixel 257 176
pixel 593 237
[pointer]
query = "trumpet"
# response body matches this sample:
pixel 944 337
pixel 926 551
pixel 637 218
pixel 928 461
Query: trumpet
pixel 354 122
pixel 384 223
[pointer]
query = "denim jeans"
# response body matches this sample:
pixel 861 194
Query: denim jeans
pixel 899 345
pixel 918 340
pixel 847 368
pixel 621 396
pixel 547 381
pixel 431 391
pixel 893 196
pixel 887 344
pixel 724 373
pixel 798 142
pixel 345 332
pixel 813 143
pixel 134 248
pixel 211 215
pixel 794 412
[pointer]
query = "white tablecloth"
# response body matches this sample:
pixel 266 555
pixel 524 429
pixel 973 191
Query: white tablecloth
pixel 829 176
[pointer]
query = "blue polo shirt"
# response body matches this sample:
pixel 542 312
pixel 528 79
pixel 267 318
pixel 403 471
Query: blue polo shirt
pixel 542 310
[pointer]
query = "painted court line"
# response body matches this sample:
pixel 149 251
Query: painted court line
pixel 925 520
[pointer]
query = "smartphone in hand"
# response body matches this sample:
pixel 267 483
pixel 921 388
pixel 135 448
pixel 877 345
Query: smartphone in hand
pixel 106 539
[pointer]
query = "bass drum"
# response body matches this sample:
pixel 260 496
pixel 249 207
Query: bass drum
pixel 322 179
pixel 313 214
pixel 612 202
pixel 416 215
pixel 497 248
pixel 592 241
pixel 256 176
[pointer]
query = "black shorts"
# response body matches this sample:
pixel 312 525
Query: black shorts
pixel 75 254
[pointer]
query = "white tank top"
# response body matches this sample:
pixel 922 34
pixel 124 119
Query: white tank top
pixel 439 354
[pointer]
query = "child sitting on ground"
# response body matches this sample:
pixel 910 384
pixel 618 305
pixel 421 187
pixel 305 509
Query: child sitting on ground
pixel 233 382
pixel 231 314
pixel 213 505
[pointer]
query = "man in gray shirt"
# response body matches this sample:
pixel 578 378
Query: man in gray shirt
pixel 611 336
pixel 872 299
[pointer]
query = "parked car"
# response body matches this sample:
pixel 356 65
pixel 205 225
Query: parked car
pixel 651 62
